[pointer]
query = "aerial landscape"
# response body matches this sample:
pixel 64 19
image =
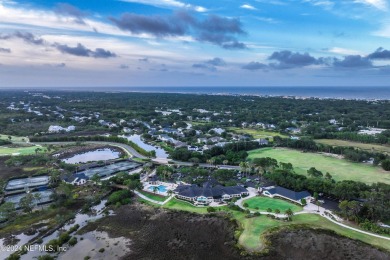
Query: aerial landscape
pixel 144 129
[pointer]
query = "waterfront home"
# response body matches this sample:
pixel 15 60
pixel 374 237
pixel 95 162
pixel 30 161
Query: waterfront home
pixel 77 179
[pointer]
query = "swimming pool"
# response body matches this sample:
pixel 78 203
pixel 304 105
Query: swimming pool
pixel 161 188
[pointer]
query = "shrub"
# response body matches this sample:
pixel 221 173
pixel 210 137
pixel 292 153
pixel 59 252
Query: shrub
pixel 74 228
pixel 73 241
pixel 101 250
pixel 64 237
pixel 122 196
pixel 53 245
pixel 210 209
pixel 245 205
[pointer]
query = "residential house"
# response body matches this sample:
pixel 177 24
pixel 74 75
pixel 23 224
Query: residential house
pixel 77 179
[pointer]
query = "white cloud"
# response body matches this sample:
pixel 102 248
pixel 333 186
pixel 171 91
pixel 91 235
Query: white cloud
pixel 322 3
pixel 267 19
pixel 272 2
pixel 379 4
pixel 343 51
pixel 247 6
pixel 35 20
pixel 169 4
pixel 384 31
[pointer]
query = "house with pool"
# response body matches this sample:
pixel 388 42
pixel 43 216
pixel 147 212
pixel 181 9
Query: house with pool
pixel 207 193
pixel 277 191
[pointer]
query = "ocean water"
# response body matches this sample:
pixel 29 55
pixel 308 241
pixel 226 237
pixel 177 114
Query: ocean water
pixel 319 92
pixel 371 93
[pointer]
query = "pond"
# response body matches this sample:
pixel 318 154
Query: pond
pixel 91 245
pixel 82 220
pixel 160 153
pixel 93 156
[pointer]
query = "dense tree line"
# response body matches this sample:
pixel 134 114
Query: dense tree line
pixel 382 138
pixel 232 153
pixel 232 111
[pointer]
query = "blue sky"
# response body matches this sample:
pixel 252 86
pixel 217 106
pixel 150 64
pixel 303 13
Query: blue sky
pixel 194 43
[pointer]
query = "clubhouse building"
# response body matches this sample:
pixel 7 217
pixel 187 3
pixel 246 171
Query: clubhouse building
pixel 277 191
pixel 207 193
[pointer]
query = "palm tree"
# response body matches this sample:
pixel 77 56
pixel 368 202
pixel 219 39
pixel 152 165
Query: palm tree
pixel 318 205
pixel 38 198
pixel 54 179
pixel 247 169
pixel 289 213
pixel 212 161
pixel 242 166
pixel 155 189
pixel 37 150
pixel 169 192
pixel 164 173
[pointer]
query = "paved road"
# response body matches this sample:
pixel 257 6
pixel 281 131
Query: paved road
pixel 151 200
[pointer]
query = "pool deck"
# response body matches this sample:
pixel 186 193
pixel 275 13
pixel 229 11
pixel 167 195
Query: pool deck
pixel 168 186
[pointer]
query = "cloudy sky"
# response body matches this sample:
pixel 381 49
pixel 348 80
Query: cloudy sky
pixel 194 43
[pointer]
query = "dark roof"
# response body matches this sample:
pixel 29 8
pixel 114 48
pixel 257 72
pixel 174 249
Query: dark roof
pixel 75 176
pixel 208 191
pixel 289 193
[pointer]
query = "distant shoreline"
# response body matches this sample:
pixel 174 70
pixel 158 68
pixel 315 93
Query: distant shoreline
pixel 339 93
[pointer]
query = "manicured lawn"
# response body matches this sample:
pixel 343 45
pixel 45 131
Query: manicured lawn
pixel 256 133
pixel 4 150
pixel 181 205
pixel 153 196
pixel 263 203
pixel 366 147
pixel 340 169
pixel 14 138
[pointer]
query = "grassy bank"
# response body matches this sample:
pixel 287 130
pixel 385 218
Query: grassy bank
pixel 340 169
pixel 152 196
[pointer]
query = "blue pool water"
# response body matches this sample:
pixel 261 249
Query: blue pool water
pixel 161 188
